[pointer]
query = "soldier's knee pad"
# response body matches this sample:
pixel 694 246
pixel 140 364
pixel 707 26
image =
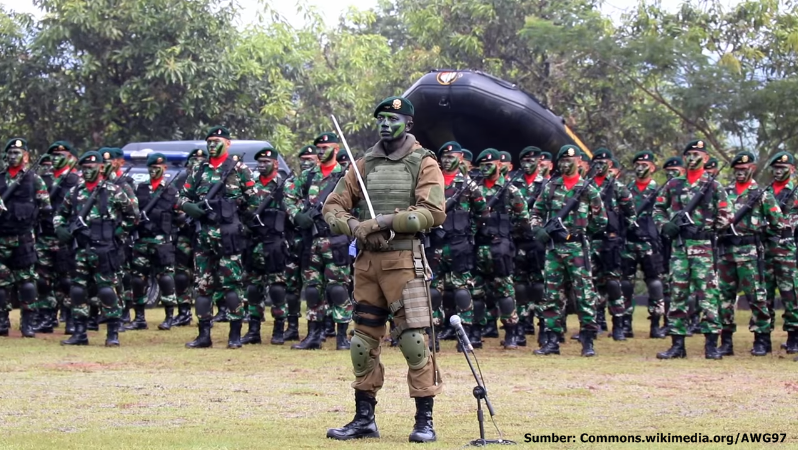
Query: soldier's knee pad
pixel 337 294
pixel 614 290
pixel 138 286
pixel 312 297
pixel 462 299
pixel 413 347
pixel 537 293
pixel 107 296
pixel 277 294
pixel 521 293
pixel 27 292
pixel 294 305
pixel 77 294
pixel 655 289
pixel 436 298
pixel 254 295
pixel 627 288
pixel 203 305
pixel 167 284
pixel 506 305
pixel 479 309
pixel 43 286
pixel 360 348
pixel 181 282
pixel 231 300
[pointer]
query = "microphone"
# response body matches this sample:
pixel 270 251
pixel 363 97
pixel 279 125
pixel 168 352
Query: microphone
pixel 457 323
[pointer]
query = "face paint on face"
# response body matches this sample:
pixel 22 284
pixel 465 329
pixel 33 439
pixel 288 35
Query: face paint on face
pixel 306 163
pixel 567 166
pixel 505 170
pixel 672 173
pixel 602 167
pixel 449 163
pixel 156 172
pixel 59 160
pixel 529 166
pixel 195 161
pixel 46 169
pixel 545 168
pixel 326 152
pixel 14 157
pixel 392 126
pixel 91 172
pixel 488 170
pixel 743 174
pixel 780 173
pixel 265 166
pixel 694 160
pixel 642 171
pixel 215 148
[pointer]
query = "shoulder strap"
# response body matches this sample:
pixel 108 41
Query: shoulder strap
pixel 103 205
pixel 308 182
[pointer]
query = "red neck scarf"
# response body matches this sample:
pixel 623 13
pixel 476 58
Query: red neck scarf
pixel 326 170
pixel 741 187
pixel 530 178
pixel 119 173
pixel 448 178
pixel 155 183
pixel 267 179
pixel 642 185
pixel 61 171
pixel 90 185
pixel 779 185
pixel 490 183
pixel 599 179
pixel 13 171
pixel 694 175
pixel 570 180
pixel 216 161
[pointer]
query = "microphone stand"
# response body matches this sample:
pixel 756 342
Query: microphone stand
pixel 480 393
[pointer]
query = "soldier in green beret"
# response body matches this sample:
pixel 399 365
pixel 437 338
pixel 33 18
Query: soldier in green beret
pixel 545 165
pixel 343 160
pixel 741 258
pixel 780 265
pixel 608 245
pixel 711 166
pixel 308 157
pixel 325 259
pixel 54 261
pixel 507 163
pixel 267 259
pixel 213 195
pixel 17 241
pixel 674 168
pixel 153 255
pixel 644 248
pixel 92 214
pixel 692 270
pixel 567 264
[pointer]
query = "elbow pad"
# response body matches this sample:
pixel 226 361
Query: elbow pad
pixel 412 221
pixel 338 225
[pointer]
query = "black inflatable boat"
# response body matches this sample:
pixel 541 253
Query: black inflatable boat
pixel 480 111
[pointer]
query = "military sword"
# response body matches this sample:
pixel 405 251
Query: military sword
pixel 357 171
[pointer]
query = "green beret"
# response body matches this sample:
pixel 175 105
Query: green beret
pixel 782 158
pixel 644 156
pixel 711 164
pixel 695 145
pixel 155 158
pixel 218 131
pixel 326 138
pixel 506 156
pixel 546 156
pixel 467 155
pixel 529 151
pixel 267 152
pixel 488 155
pixel 62 146
pixel 107 153
pixel 673 161
pixel 615 163
pixel 17 143
pixel 197 152
pixel 398 105
pixel 90 157
pixel 568 151
pixel 744 157
pixel 343 157
pixel 602 153
pixel 117 153
pixel 585 157
pixel 450 147
pixel 308 150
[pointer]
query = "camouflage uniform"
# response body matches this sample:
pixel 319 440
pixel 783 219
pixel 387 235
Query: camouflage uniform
pixel 97 258
pixel 325 261
pixel 184 260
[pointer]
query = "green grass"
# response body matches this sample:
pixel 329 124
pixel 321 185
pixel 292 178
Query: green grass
pixel 152 393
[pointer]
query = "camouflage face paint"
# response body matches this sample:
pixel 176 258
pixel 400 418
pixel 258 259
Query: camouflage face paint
pixel 505 170
pixel 215 148
pixel 156 172
pixel 487 170
pixel 307 163
pixel 780 172
pixel 14 157
pixel 545 169
pixel 265 166
pixel 529 166
pixel 672 173
pixel 91 172
pixel 642 171
pixel 326 152
pixel 694 160
pixel 392 126
pixel 449 162
pixel 567 166
pixel 46 169
pixel 743 174
pixel 602 167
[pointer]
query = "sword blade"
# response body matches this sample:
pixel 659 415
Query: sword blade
pixel 354 166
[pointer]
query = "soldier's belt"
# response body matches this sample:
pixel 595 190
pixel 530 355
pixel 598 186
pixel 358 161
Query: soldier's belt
pixel 394 246
pixel 748 239
pixel 564 238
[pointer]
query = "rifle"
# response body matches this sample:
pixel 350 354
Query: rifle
pixel 555 224
pixel 215 188
pixel 314 209
pixel 79 224
pixel 495 199
pixel 148 208
pixel 530 203
pixel 256 222
pixel 683 217
pixel 57 186
pixel 649 202
pixel 15 185
pixel 122 177
pixel 747 207
pixel 452 201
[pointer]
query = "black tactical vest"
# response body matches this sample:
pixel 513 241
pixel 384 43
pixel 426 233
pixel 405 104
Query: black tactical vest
pixel 160 216
pixel 226 209
pixel 497 223
pixel 21 206
pixel 101 230
pixel 457 221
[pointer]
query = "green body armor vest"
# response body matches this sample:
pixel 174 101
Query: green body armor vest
pixel 391 184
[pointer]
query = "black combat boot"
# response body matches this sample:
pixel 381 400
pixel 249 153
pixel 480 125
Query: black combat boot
pixel 79 336
pixel 726 343
pixel 446 332
pixel 520 334
pixel 329 327
pixel 341 339
pixel 711 346
pixel 363 425
pixel 5 323
pixel 792 342
pixel 93 323
pixel 510 337
pixel 26 323
pixel 221 315
pixel 69 322
pixel 761 344
pixel 422 430
pixel 112 333
pixel 183 316
pixel 140 321
pixel 541 332
pixel 63 311
pixel 436 342
pixel 576 337
pixel 234 336
pixel 169 312
pixel 44 324
pixel 491 330
pixel 628 330
pixel 476 336
pixel 292 332
pixel 529 324
pixel 469 333
pixel 313 340
pixel 125 319
pixel 551 346
pixel 656 332
pixel 677 349
pixel 203 339
pixel 601 319
pixel 618 328
pixel 253 331
pixel 587 343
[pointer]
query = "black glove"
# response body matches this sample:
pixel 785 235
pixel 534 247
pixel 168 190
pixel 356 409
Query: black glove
pixel 542 236
pixel 670 230
pixel 63 234
pixel 303 221
pixel 194 210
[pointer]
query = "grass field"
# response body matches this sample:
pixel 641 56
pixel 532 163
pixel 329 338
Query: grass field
pixel 152 393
